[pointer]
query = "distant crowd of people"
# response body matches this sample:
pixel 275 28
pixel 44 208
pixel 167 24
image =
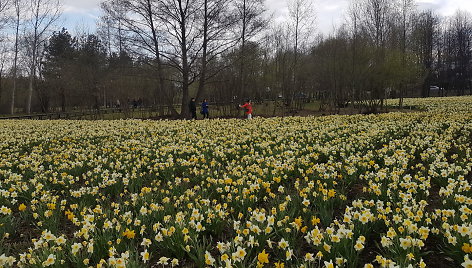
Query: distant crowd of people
pixel 247 106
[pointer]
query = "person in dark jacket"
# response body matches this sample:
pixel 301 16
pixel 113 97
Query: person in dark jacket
pixel 192 106
pixel 205 111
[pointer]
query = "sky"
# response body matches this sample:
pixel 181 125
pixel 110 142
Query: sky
pixel 81 15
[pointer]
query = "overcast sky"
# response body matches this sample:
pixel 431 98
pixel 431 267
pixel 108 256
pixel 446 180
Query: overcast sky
pixel 82 14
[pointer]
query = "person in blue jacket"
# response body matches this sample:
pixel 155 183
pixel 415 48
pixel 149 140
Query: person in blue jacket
pixel 205 111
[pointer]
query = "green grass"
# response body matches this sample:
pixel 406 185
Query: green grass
pixel 266 109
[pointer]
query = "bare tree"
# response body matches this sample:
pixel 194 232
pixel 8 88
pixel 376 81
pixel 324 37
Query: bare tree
pixel 4 60
pixel 251 22
pixel 376 14
pixel 4 17
pixel 406 12
pixel 18 7
pixel 217 23
pixel 355 20
pixel 116 19
pixel 429 23
pixel 43 14
pixel 302 20
pixel 4 8
pixel 280 45
pixel 461 28
pixel 179 18
pixel 139 22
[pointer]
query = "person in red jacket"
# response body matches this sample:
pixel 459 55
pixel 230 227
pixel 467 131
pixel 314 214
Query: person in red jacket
pixel 248 108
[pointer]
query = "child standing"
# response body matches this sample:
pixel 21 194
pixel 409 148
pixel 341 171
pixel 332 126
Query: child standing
pixel 205 112
pixel 248 108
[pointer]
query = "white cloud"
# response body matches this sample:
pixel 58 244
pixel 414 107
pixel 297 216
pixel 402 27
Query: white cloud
pixel 329 13
pixel 449 7
pixel 86 8
pixel 82 4
pixel 80 16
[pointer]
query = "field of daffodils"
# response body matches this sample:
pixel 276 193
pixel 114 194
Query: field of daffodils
pixel 389 190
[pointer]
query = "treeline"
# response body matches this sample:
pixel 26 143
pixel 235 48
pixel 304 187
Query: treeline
pixel 160 53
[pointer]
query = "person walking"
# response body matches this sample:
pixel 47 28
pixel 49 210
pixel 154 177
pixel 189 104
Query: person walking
pixel 205 112
pixel 248 108
pixel 192 106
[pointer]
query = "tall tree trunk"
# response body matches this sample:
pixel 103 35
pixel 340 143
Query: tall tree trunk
pixel 295 51
pixel 161 90
pixel 1 83
pixel 406 9
pixel 201 85
pixel 402 84
pixel 353 62
pixel 185 66
pixel 242 55
pixel 30 92
pixel 15 61
pixel 63 100
pixel 33 59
